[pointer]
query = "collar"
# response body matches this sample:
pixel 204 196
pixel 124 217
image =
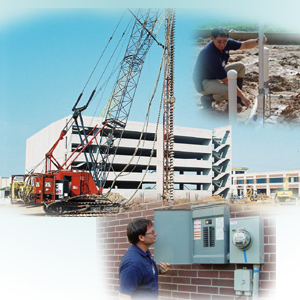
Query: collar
pixel 140 251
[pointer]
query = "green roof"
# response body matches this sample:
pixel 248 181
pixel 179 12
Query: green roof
pixel 5 188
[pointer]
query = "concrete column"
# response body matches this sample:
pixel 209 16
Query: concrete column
pixel 232 95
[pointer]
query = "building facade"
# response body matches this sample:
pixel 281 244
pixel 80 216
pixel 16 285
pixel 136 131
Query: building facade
pixel 264 182
pixel 202 158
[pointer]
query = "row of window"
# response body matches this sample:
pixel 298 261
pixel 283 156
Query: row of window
pixel 264 180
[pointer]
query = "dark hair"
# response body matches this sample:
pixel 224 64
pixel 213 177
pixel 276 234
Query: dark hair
pixel 136 228
pixel 220 31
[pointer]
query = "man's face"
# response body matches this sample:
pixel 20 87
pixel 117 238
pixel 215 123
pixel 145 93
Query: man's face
pixel 150 236
pixel 220 42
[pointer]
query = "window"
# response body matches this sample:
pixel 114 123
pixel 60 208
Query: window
pixel 249 181
pixel 276 180
pixel 294 179
pixel 261 180
pixel 240 181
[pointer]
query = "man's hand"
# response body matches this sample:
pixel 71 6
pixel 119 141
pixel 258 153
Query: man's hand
pixel 163 268
pixel 245 101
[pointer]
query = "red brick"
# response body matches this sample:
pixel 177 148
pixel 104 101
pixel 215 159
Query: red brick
pixel 178 295
pixel 266 258
pixel 222 297
pixel 146 214
pixel 267 285
pixel 173 272
pixel 109 241
pixel 164 293
pixel 270 248
pixel 187 288
pixel 109 229
pixel 271 221
pixel 207 274
pixel 202 267
pixel 121 228
pixel 269 267
pixel 200 297
pixel 111 246
pixel 201 281
pixel 121 240
pixel 264 275
pixel 273 258
pixel 226 274
pixel 135 215
pixel 120 252
pixel 165 279
pixel 170 287
pixel 273 275
pixel 225 291
pixel 270 231
pixel 183 267
pixel 223 282
pixel 182 280
pixel 111 269
pixel 114 223
pixel 264 294
pixel 207 290
pixel 272 239
pixel 187 273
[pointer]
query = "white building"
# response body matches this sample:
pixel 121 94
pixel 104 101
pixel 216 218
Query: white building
pixel 202 158
pixel 264 182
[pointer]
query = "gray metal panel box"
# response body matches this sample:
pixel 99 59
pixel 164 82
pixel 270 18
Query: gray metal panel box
pixel 200 235
pixel 211 234
pixel 173 242
pixel 243 280
pixel 253 253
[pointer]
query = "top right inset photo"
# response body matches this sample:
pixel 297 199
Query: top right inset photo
pixel 248 73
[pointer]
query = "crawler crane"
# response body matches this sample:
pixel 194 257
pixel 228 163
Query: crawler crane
pixel 65 191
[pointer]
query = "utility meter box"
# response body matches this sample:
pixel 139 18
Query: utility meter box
pixel 246 240
pixel 198 235
pixel 243 282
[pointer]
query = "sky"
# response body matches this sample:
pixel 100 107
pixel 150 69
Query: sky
pixel 47 55
pixel 47 51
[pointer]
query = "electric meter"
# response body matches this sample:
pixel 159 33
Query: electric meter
pixel 241 238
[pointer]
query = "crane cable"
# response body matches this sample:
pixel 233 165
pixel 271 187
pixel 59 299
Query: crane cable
pixel 142 132
pixel 102 54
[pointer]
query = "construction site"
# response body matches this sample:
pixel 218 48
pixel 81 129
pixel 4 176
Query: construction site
pixel 278 76
pixel 216 223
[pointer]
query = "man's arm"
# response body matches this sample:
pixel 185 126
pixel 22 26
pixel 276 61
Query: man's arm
pixel 252 43
pixel 239 93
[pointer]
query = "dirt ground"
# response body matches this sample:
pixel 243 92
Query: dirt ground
pixel 282 106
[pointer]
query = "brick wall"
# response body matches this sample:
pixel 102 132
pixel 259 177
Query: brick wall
pixel 196 281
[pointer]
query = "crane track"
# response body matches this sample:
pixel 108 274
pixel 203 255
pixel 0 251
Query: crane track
pixel 81 209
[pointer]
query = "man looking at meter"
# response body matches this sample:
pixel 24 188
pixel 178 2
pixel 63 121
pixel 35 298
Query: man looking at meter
pixel 138 272
pixel 210 74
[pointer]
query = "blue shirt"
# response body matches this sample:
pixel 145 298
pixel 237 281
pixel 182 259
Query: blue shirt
pixel 138 274
pixel 211 62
